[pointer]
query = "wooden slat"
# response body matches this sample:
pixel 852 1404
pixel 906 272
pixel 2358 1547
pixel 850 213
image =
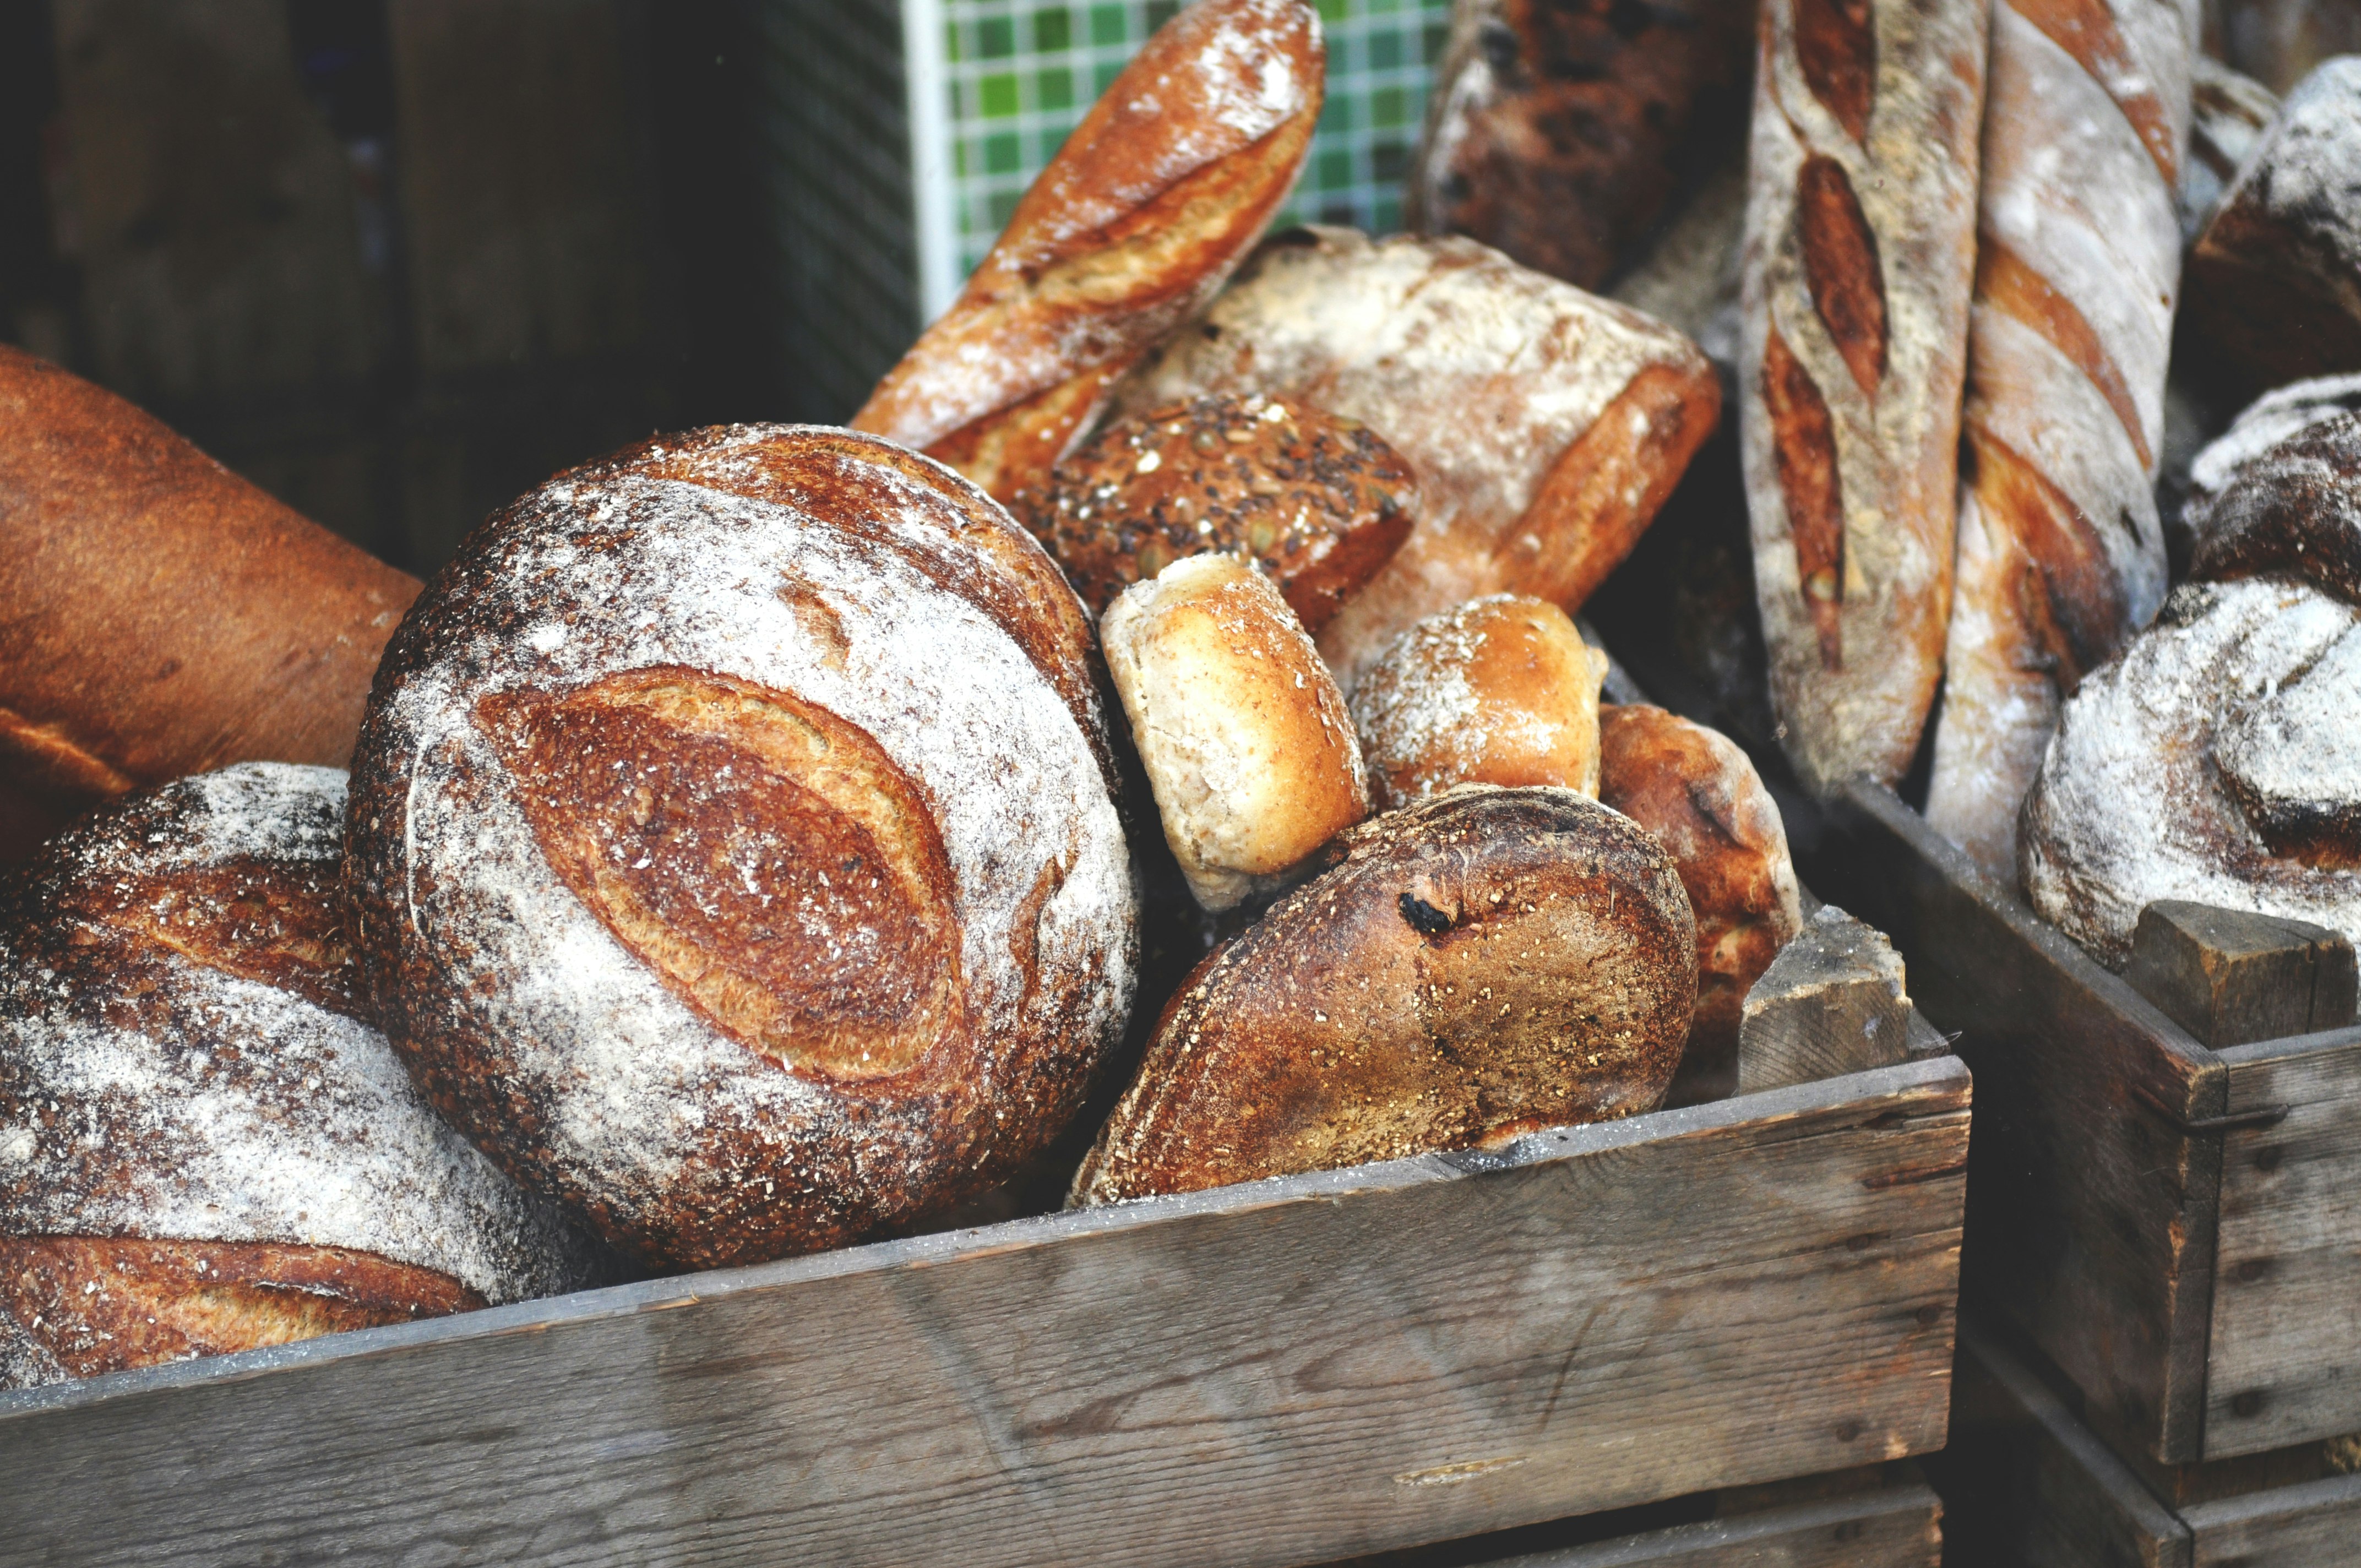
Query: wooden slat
pixel 2025 1485
pixel 1288 1372
pixel 1893 1527
pixel 2091 1214
pixel 2286 1364
pixel 2315 1525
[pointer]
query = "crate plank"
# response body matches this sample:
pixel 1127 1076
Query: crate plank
pixel 1894 1528
pixel 2312 1525
pixel 1286 1372
pixel 2286 1337
pixel 2091 1213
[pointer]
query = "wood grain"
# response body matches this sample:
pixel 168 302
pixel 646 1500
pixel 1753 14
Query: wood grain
pixel 2307 1526
pixel 2286 1338
pixel 2231 976
pixel 1286 1372
pixel 1897 1526
pixel 2091 1209
pixel 1831 1002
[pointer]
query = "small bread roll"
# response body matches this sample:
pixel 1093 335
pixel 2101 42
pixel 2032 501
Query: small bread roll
pixel 1245 736
pixel 1319 501
pixel 1697 794
pixel 1476 966
pixel 1501 691
pixel 205 1146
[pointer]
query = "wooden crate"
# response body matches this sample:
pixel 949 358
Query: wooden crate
pixel 2026 1484
pixel 1287 1372
pixel 2177 1228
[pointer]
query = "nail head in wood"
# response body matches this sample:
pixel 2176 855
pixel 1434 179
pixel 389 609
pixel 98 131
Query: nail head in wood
pixel 2230 977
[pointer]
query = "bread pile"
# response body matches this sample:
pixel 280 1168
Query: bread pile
pixel 745 836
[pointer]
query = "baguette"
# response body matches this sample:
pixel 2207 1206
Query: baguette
pixel 1167 181
pixel 1860 247
pixel 163 615
pixel 2060 551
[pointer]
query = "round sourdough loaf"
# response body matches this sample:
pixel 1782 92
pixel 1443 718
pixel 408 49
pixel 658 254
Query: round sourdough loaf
pixel 1468 969
pixel 734 848
pixel 205 1147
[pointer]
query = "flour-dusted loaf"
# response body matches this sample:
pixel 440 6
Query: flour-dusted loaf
pixel 1545 426
pixel 1557 130
pixel 1319 503
pixel 2227 112
pixel 158 615
pixel 2060 552
pixel 2281 491
pixel 2275 280
pixel 1698 796
pixel 2215 762
pixel 1501 690
pixel 204 1144
pixel 1245 737
pixel 1170 179
pixel 1473 967
pixel 1860 248
pixel 734 848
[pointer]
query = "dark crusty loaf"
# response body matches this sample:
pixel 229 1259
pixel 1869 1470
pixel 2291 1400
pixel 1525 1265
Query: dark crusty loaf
pixel 1545 426
pixel 2215 762
pixel 1859 247
pixel 1501 691
pixel 1556 129
pixel 1319 502
pixel 162 616
pixel 2281 491
pixel 1170 179
pixel 2060 552
pixel 2227 112
pixel 1473 967
pixel 1698 796
pixel 205 1147
pixel 734 847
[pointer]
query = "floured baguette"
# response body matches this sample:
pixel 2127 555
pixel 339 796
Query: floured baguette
pixel 1860 248
pixel 1168 179
pixel 2061 549
pixel 1545 425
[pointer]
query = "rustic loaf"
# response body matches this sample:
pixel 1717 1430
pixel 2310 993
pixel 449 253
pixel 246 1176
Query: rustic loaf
pixel 1170 179
pixel 2215 762
pixel 2275 280
pixel 2060 552
pixel 163 617
pixel 2227 112
pixel 1557 129
pixel 1545 426
pixel 1318 502
pixel 1860 247
pixel 1501 691
pixel 1473 967
pixel 1698 796
pixel 1243 732
pixel 205 1145
pixel 734 851
pixel 2281 491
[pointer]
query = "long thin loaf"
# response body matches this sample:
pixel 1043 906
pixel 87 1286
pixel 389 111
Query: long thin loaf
pixel 1860 250
pixel 2060 551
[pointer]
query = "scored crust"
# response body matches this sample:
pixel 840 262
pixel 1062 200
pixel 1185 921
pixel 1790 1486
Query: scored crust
pixel 198 1126
pixel 734 851
pixel 1476 966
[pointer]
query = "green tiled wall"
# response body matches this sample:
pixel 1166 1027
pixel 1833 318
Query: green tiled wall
pixel 1021 74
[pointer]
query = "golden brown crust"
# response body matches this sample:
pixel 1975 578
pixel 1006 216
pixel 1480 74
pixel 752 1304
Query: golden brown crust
pixel 1501 691
pixel 1167 181
pixel 1475 967
pixel 1318 501
pixel 1698 796
pixel 99 1304
pixel 164 616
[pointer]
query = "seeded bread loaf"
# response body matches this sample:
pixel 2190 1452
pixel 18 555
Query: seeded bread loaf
pixel 734 848
pixel 204 1144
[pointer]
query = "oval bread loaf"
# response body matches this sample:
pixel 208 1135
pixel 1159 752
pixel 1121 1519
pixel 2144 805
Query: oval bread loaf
pixel 734 848
pixel 204 1144
pixel 1473 967
pixel 2281 491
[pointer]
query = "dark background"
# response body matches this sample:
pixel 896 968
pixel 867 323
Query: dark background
pixel 394 260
